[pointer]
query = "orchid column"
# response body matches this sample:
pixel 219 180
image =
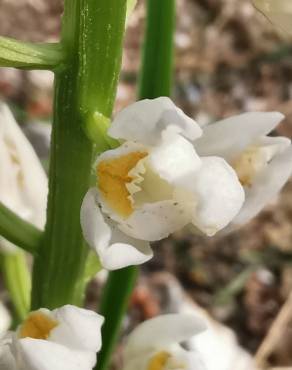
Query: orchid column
pixel 85 88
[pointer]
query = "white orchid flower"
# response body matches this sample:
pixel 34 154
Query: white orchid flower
pixel 155 184
pixel 5 320
pixel 67 338
pixel 23 182
pixel 155 344
pixel 278 11
pixel 263 163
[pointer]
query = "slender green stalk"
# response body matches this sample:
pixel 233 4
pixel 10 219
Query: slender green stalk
pixel 114 303
pixel 156 80
pixel 157 67
pixel 27 55
pixel 17 231
pixel 18 282
pixel 92 37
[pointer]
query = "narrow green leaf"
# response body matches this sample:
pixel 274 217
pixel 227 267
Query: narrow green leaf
pixel 17 54
pixel 19 232
pixel 18 282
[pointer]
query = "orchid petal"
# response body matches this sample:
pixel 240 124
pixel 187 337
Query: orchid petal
pixel 30 181
pixel 78 328
pixel 265 186
pixel 7 361
pixel 115 249
pixel 96 231
pixel 175 159
pixel 155 221
pixel 125 251
pixel 44 355
pixel 229 137
pixel 219 193
pixel 134 123
pixel 162 331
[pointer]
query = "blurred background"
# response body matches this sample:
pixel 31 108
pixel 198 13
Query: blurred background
pixel 228 59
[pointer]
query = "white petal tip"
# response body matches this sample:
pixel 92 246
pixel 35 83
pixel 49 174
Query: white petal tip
pixel 275 116
pixel 122 255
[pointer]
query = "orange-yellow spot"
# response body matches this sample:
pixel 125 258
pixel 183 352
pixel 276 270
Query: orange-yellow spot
pixel 37 326
pixel 113 176
pixel 158 361
pixel 246 167
pixel 244 179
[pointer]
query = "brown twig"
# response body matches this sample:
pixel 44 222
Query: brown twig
pixel 274 335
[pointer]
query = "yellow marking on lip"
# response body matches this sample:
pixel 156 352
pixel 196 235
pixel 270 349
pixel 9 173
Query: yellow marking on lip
pixel 113 176
pixel 158 361
pixel 38 326
pixel 249 164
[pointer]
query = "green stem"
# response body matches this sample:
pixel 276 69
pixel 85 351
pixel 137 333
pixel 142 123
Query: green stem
pixel 92 37
pixel 114 303
pixel 17 280
pixel 17 231
pixel 157 68
pixel 155 80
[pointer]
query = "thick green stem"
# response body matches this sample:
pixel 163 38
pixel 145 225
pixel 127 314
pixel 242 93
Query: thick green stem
pixel 17 280
pixel 17 231
pixel 155 80
pixel 92 37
